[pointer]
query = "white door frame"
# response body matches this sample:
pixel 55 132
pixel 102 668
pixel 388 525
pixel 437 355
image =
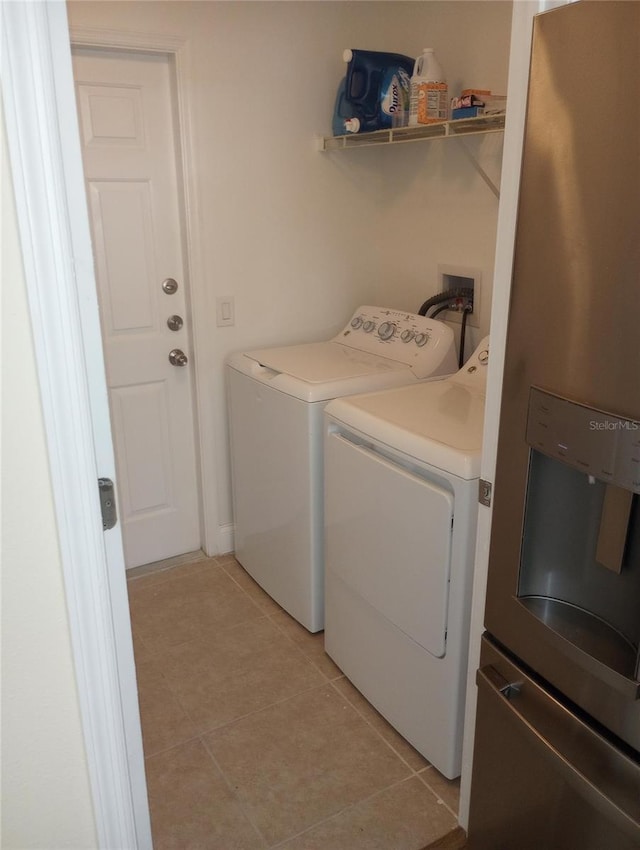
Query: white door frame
pixel 46 167
pixel 519 57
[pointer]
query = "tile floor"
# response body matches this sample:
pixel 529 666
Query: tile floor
pixel 254 739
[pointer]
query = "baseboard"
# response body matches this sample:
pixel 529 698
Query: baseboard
pixel 225 538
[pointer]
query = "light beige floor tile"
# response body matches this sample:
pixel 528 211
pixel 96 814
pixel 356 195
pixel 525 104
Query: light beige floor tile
pixel 140 649
pixel 191 806
pixel 235 672
pixel 448 790
pixel 404 817
pixel 242 578
pixel 303 760
pixel 192 606
pixel 164 721
pixel 404 749
pixel 311 644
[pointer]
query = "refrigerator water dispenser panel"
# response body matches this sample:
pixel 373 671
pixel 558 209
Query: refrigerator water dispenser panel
pixel 596 442
pixel 580 556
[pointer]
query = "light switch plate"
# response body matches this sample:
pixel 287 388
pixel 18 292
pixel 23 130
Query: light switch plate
pixel 225 311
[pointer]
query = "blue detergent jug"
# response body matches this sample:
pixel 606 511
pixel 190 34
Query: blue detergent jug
pixel 376 87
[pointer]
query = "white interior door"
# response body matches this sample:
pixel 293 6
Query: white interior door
pixel 129 154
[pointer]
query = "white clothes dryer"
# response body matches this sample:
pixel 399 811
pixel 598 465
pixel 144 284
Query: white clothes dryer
pixel 276 401
pixel 402 469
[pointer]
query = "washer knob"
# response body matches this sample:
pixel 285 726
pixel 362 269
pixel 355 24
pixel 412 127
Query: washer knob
pixel 407 336
pixel 356 322
pixel 368 326
pixel 386 330
pixel 483 357
pixel 422 339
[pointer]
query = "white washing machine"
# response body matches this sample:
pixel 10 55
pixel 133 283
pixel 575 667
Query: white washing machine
pixel 276 399
pixel 402 470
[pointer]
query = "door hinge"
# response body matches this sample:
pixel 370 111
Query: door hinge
pixel 484 492
pixel 107 503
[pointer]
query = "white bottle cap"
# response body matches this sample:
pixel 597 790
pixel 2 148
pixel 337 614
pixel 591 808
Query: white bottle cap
pixel 352 125
pixel 347 55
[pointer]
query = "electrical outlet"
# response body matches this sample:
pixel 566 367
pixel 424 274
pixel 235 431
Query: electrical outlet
pixel 225 311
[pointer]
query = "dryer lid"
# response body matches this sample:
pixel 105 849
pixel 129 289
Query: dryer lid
pixel 439 423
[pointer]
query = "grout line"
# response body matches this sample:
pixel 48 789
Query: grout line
pixel 198 638
pixel 309 658
pixel 261 709
pixel 342 811
pixel 435 793
pixel 233 790
pixel 246 592
pixel 283 632
pixel 171 747
pixel 272 615
pixel 378 733
pixel 176 693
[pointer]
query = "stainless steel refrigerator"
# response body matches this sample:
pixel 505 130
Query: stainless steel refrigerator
pixel 556 760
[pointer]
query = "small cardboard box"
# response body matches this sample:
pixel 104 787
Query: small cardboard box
pixel 433 106
pixel 467 112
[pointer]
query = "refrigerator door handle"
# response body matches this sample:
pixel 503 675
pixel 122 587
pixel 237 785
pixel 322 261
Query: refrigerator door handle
pixel 512 697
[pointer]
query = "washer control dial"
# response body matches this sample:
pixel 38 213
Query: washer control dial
pixel 407 336
pixel 368 326
pixel 422 339
pixel 356 322
pixel 386 330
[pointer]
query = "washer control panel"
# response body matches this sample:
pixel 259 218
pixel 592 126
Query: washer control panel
pixel 397 335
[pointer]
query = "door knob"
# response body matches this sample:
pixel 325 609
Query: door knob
pixel 174 323
pixel 178 357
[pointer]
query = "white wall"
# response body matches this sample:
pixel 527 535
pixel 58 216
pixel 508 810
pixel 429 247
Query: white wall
pixel 46 800
pixel 299 238
pixel 436 209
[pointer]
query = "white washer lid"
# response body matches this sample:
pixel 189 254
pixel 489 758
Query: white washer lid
pixel 317 372
pixel 320 362
pixel 439 423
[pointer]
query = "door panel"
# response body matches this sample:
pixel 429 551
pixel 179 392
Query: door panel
pixel 126 119
pixel 123 216
pixel 111 115
pixel 388 537
pixel 543 777
pixel 141 424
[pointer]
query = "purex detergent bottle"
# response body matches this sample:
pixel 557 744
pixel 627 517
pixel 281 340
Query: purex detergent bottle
pixel 375 89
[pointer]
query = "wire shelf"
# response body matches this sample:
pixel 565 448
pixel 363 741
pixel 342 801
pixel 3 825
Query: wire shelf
pixel 483 124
